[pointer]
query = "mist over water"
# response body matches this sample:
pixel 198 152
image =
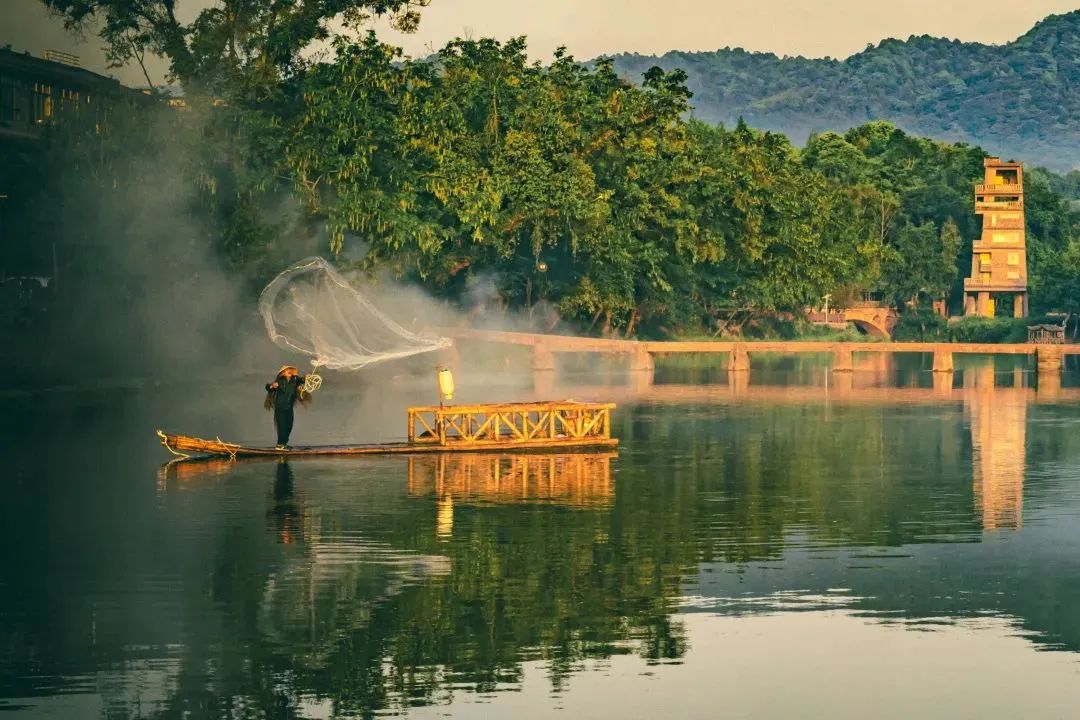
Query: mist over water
pixel 147 291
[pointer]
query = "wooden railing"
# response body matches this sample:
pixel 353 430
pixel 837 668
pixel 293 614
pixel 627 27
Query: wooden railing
pixel 1007 189
pixel 1008 205
pixel 540 423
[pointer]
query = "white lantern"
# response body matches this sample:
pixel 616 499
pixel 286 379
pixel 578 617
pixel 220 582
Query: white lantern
pixel 446 384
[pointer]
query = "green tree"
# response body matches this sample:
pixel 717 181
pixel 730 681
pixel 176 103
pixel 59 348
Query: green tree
pixel 264 36
pixel 1057 285
pixel 921 264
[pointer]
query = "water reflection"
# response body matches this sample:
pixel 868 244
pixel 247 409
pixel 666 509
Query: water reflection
pixel 573 479
pixel 353 588
pixel 286 513
pixel 998 422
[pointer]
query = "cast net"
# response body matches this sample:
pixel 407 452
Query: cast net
pixel 312 309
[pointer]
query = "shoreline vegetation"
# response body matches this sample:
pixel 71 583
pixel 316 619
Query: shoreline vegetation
pixel 496 184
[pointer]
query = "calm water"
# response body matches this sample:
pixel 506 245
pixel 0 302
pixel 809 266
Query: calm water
pixel 852 550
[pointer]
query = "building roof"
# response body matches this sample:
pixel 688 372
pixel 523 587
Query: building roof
pixel 57 73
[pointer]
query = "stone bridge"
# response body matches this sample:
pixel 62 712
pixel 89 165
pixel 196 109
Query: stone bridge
pixel 1049 359
pixel 874 319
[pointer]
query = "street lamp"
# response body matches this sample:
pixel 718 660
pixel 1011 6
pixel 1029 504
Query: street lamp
pixel 826 298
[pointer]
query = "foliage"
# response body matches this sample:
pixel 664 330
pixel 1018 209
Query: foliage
pixel 1058 283
pixel 907 187
pixel 560 187
pixel 989 330
pixel 478 161
pixel 920 323
pixel 930 86
pixel 1067 185
pixel 922 263
pixel 262 39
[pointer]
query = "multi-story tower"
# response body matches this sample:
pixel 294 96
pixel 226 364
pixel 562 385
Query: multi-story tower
pixel 998 258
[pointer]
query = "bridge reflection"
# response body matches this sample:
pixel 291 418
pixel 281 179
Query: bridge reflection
pixel 994 406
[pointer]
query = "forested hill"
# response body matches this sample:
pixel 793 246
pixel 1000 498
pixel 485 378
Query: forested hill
pixel 1018 100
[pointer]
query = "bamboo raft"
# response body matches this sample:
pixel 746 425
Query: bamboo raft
pixel 511 427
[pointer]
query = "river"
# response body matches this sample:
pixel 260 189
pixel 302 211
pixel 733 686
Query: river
pixel 794 545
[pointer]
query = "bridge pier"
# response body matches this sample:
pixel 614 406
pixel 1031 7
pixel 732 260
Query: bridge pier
pixel 843 383
pixel 843 360
pixel 1049 386
pixel 543 366
pixel 738 359
pixel 1049 360
pixel 642 361
pixel 543 384
pixel 1048 363
pixel 981 376
pixel 738 382
pixel 943 361
pixel 543 359
pixel 943 384
pixel 642 369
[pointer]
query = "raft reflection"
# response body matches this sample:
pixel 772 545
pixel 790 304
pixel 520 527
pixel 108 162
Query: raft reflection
pixel 573 479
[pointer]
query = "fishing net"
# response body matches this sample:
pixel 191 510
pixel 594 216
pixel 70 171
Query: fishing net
pixel 312 309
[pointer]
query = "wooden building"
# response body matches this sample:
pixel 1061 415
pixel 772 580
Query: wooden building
pixel 35 93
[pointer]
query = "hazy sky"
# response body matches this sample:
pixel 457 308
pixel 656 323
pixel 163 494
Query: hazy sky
pixel 814 28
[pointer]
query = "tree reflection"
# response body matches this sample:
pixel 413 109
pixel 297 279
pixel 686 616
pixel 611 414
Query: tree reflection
pixel 492 561
pixel 363 586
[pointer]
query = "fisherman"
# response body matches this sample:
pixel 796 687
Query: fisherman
pixel 281 395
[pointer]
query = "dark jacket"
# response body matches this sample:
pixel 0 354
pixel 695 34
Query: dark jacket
pixel 287 392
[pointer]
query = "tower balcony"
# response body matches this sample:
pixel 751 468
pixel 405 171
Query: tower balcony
pixel 999 189
pixel 1003 286
pixel 987 206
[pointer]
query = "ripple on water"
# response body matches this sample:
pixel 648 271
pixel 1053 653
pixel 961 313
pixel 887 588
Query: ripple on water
pixel 370 587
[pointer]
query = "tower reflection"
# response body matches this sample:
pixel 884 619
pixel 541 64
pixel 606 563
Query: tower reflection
pixel 998 422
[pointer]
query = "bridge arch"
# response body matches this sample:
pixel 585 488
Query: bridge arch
pixel 874 321
pixel 870 328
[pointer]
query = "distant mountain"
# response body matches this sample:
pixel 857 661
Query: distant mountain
pixel 1019 100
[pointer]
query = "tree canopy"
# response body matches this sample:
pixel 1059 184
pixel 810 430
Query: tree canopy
pixel 500 183
pixel 226 36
